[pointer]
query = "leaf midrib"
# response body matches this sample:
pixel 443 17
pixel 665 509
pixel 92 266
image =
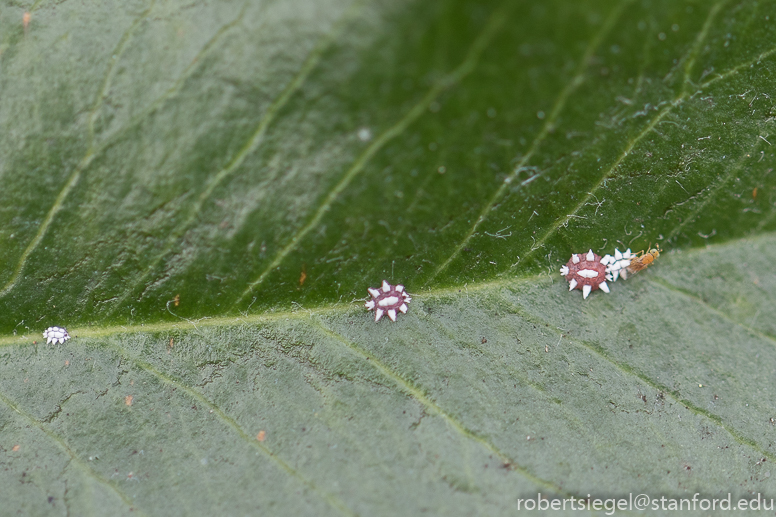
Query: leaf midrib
pixel 415 392
pixel 354 307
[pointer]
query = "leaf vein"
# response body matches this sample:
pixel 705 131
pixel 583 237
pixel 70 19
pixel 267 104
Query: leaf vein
pixel 252 143
pixel 332 500
pixel 513 372
pixel 92 153
pixel 464 69
pixel 724 75
pixel 597 350
pixel 548 126
pixel 418 395
pixel 714 191
pixel 64 446
pixel 563 221
pixel 701 37
pixel 106 81
pixel 75 176
pixel 700 301
pixel 298 313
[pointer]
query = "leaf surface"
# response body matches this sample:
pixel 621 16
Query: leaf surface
pixel 202 194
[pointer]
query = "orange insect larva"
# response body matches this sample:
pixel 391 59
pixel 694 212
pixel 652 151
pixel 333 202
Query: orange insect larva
pixel 643 259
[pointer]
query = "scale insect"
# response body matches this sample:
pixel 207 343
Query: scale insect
pixel 586 272
pixel 56 335
pixel 616 266
pixel 388 299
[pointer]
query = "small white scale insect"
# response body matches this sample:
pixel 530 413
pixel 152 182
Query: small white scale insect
pixel 56 335
pixel 389 299
pixel 617 266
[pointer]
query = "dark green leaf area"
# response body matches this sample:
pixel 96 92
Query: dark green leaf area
pixel 473 400
pixel 203 161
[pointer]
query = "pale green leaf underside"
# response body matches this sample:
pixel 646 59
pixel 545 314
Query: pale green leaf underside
pixel 665 386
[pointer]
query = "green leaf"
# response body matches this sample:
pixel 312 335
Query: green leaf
pixel 474 399
pixel 203 193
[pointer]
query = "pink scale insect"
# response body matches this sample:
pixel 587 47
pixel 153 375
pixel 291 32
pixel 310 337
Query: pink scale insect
pixel 587 272
pixel 388 299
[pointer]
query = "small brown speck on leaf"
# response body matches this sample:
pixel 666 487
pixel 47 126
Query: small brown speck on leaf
pixel 26 21
pixel 67 362
pixel 171 342
pixel 177 300
pixel 302 278
pixel 128 400
pixel 261 436
pixel 754 193
pixel 16 448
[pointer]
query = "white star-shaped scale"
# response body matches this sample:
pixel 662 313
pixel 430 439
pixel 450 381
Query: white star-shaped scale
pixel 616 265
pixel 56 335
pixel 388 299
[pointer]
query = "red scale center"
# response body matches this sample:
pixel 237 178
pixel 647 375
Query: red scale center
pixel 582 271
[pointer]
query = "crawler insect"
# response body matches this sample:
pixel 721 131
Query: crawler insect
pixel 56 335
pixel 587 272
pixel 388 299
pixel 643 259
